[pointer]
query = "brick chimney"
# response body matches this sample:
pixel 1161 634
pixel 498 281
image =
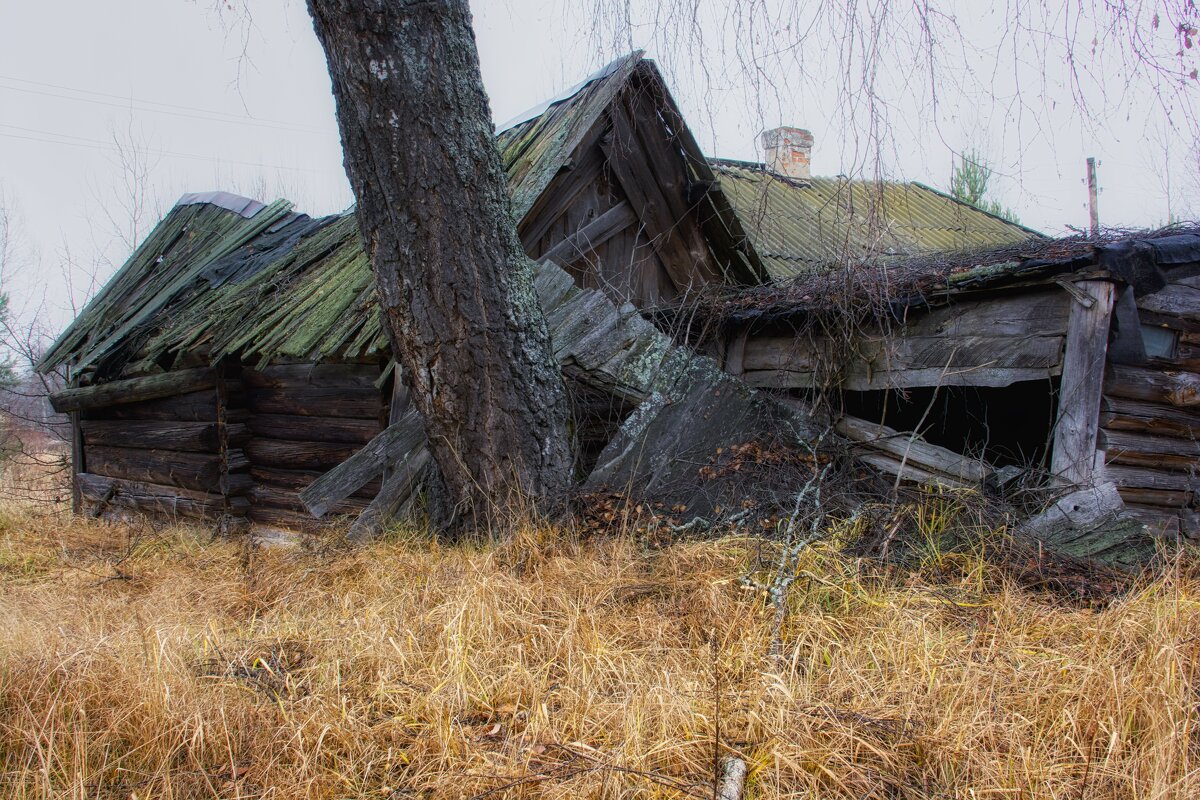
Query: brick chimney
pixel 788 151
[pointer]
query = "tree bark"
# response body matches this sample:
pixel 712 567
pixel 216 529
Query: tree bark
pixel 436 221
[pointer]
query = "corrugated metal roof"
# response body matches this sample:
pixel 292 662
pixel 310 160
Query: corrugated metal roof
pixel 799 226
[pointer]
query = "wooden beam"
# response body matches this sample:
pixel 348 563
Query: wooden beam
pixel 161 498
pixel 199 471
pixel 397 490
pixel 389 447
pixel 77 464
pixel 913 451
pixel 591 236
pixel 1074 455
pixel 1176 388
pixel 190 437
pixel 133 390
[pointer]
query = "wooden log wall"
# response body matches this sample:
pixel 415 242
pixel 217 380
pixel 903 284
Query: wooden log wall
pixel 994 342
pixel 303 420
pixel 174 454
pixel 1150 415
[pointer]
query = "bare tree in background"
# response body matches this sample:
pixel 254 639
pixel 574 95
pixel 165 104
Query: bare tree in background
pixel 436 220
pixel 33 438
pixel 925 67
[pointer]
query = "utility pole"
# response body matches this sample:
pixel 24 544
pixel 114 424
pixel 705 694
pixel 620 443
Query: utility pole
pixel 1093 197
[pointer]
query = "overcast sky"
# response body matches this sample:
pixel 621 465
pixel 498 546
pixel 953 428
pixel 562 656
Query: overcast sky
pixel 197 103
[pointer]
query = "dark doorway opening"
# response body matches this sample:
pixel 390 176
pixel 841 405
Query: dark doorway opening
pixel 1012 425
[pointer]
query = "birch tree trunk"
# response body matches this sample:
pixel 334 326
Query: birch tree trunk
pixel 436 220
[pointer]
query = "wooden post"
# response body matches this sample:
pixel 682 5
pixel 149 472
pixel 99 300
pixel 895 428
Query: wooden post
pixel 1074 455
pixel 77 464
pixel 1093 197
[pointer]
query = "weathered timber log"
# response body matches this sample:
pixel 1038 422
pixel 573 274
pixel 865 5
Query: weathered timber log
pixel 236 484
pixel 903 362
pixel 1160 522
pixel 199 406
pixel 889 464
pixel 1155 419
pixel 144 496
pixel 288 500
pixel 397 490
pixel 298 455
pixel 1163 452
pixel 283 519
pixel 913 450
pixel 297 480
pixel 200 471
pixel 296 428
pixel 317 401
pixel 1180 389
pixel 979 343
pixel 1156 497
pixel 391 446
pixel 132 390
pixel 1142 478
pixel 328 376
pixel 1074 451
pixel 191 437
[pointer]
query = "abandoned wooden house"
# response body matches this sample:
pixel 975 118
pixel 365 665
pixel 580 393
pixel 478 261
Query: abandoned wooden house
pixel 239 352
pixel 1074 356
pixel 236 365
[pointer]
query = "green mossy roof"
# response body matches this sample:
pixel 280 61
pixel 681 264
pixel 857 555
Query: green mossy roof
pixel 801 226
pixel 279 285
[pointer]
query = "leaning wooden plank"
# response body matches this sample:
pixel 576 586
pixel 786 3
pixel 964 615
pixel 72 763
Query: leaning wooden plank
pixel 132 390
pixel 592 235
pixel 1074 454
pixel 396 491
pixel 192 437
pixel 389 447
pixel 1159 521
pixel 913 450
pixel 1176 388
pixel 200 471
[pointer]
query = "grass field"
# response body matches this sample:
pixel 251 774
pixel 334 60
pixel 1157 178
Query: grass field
pixel 153 663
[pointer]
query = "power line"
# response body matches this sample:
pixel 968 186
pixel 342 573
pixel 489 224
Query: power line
pixel 96 144
pixel 168 108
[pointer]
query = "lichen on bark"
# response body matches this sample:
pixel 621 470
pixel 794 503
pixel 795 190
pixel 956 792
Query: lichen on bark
pixel 436 220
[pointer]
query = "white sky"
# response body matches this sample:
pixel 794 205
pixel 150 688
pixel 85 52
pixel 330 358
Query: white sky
pixel 163 78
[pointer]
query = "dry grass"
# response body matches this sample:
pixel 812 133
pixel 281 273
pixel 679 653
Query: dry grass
pixel 156 664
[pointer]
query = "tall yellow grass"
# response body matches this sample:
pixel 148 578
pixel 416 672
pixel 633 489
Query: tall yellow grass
pixel 142 663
